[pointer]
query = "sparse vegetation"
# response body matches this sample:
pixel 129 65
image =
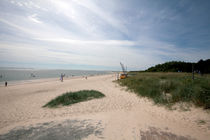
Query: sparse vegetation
pixel 170 88
pixel 201 122
pixel 74 97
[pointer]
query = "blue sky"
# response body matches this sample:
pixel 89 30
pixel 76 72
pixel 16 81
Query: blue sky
pixel 96 34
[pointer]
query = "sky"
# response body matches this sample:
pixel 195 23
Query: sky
pixel 99 34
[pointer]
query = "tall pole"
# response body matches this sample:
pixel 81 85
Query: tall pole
pixel 192 71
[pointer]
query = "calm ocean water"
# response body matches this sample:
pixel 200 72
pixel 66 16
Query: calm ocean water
pixel 27 74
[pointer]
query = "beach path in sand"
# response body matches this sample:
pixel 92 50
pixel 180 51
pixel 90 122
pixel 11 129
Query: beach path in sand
pixel 119 115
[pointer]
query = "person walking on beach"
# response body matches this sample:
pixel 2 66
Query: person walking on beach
pixel 6 84
pixel 61 77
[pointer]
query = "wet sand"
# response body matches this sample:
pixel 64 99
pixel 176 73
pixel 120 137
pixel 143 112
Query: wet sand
pixel 119 115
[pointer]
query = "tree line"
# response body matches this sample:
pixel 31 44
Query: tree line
pixel 202 66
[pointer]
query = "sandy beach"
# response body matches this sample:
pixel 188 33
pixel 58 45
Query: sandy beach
pixel 119 115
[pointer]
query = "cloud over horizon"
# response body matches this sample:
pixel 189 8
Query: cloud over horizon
pixel 94 34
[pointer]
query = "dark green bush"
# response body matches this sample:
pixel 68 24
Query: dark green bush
pixel 74 97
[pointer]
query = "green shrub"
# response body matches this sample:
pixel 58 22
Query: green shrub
pixel 74 97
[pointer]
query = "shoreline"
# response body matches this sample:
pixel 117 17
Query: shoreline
pixel 42 80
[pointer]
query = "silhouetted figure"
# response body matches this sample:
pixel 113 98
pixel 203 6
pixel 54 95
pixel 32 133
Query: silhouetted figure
pixel 6 84
pixel 32 75
pixel 62 75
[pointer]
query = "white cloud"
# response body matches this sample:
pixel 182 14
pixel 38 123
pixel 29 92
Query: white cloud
pixel 97 53
pixel 91 42
pixel 34 18
pixel 23 29
pixel 103 14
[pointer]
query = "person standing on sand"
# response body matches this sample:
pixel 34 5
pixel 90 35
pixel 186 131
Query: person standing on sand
pixel 6 84
pixel 61 77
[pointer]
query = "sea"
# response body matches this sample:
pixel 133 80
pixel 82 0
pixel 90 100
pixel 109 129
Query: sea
pixel 32 74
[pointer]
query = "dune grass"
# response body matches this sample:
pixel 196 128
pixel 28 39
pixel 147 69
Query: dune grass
pixel 169 88
pixel 74 97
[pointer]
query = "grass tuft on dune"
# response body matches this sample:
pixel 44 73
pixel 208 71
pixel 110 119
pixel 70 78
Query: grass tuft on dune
pixel 74 97
pixel 169 88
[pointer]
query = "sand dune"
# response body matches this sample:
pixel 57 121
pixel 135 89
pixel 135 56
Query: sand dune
pixel 122 114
